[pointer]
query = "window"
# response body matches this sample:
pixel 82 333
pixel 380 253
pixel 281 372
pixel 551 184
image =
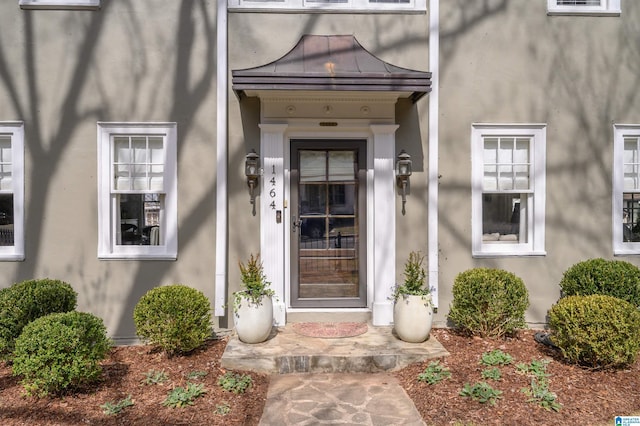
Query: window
pixel 137 191
pixel 508 189
pixel 11 190
pixel 60 4
pixel 583 7
pixel 626 189
pixel 330 5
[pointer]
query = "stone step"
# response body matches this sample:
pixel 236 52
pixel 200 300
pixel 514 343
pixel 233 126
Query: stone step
pixel 286 352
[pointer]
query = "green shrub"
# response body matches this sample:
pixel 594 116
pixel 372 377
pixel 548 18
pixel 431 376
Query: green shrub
pixel 615 278
pixel 175 318
pixel 25 301
pixel 60 351
pixel 488 302
pixel 596 331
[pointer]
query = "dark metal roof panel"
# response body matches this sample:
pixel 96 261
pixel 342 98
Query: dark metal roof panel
pixel 331 63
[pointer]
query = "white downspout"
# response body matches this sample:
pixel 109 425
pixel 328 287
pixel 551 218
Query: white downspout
pixel 434 63
pixel 221 162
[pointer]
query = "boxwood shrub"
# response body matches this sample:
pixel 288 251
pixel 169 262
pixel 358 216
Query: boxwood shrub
pixel 596 331
pixel 175 318
pixel 615 278
pixel 60 351
pixel 488 302
pixel 25 301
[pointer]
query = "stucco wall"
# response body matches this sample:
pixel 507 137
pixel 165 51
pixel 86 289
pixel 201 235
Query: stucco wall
pixel 508 62
pixel 61 72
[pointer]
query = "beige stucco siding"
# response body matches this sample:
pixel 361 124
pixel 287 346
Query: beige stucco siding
pixel 515 64
pixel 61 73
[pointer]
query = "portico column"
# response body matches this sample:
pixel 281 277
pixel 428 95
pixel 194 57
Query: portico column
pixel 384 227
pixel 271 222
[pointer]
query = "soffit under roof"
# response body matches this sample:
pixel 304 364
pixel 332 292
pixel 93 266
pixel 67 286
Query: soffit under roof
pixel 331 63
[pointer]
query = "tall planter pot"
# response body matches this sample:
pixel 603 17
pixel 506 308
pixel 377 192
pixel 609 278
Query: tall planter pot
pixel 254 321
pixel 413 318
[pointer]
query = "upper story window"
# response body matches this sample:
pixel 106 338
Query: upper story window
pixel 60 4
pixel 583 7
pixel 137 191
pixel 508 189
pixel 11 190
pixel 626 189
pixel 329 5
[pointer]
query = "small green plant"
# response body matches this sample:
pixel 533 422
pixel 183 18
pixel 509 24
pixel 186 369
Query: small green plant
pixel 434 373
pixel 539 392
pixel 223 409
pixel 488 302
pixel 496 357
pixel 60 351
pixel 414 278
pixel 536 368
pixel 154 377
pixel 116 407
pixel 491 373
pixel 481 392
pixel 596 331
pixel 181 397
pixel 195 375
pixel 176 318
pixel 235 382
pixel 254 283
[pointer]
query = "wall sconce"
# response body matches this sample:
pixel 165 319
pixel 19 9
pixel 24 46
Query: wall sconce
pixel 403 171
pixel 252 172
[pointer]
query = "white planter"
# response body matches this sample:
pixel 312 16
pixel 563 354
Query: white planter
pixel 413 318
pixel 254 322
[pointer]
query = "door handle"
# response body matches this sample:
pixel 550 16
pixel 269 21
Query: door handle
pixel 295 224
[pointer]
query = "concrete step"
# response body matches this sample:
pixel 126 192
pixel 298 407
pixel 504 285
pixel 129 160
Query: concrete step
pixel 286 352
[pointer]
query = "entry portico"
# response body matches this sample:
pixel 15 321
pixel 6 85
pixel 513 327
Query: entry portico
pixel 329 202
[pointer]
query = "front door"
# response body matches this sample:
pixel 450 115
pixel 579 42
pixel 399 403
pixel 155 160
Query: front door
pixel 328 244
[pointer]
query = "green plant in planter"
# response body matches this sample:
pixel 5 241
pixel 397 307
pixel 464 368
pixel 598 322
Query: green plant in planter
pixel 254 283
pixel 414 279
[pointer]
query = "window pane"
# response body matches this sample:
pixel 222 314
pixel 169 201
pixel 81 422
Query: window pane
pixel 342 199
pixel 313 166
pixel 6 220
pixel 5 164
pixel 139 163
pixel 579 2
pixel 313 199
pixel 389 1
pixel 341 165
pixel 630 164
pixel 504 218
pixel 140 219
pixel 630 217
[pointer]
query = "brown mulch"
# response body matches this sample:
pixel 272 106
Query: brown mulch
pixel 587 397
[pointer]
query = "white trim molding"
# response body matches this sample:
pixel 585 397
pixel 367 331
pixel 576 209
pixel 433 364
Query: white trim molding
pixel 584 7
pixel 108 229
pixel 626 181
pixel 322 6
pixel 60 4
pixel 15 131
pixel 524 178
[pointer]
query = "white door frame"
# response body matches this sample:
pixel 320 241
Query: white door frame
pixel 381 207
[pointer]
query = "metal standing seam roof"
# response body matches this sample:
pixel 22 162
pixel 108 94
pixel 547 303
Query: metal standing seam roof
pixel 331 63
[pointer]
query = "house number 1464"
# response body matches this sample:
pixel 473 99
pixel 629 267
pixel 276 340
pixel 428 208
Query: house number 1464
pixel 272 192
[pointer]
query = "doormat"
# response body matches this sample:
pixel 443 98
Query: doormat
pixel 330 330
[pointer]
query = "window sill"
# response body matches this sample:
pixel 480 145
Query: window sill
pixel 119 256
pixel 12 258
pixel 485 254
pixel 612 13
pixel 60 4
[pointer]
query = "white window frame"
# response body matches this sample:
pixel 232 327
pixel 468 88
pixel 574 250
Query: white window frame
pixel 60 4
pixel 15 129
pixel 536 208
pixel 620 132
pixel 606 8
pixel 107 202
pixel 349 6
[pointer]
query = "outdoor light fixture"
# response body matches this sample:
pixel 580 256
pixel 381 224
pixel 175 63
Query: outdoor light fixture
pixel 403 171
pixel 252 172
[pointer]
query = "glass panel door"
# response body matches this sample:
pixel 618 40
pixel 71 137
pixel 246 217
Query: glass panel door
pixel 328 201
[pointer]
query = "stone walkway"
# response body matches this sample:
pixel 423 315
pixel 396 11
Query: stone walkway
pixel 325 399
